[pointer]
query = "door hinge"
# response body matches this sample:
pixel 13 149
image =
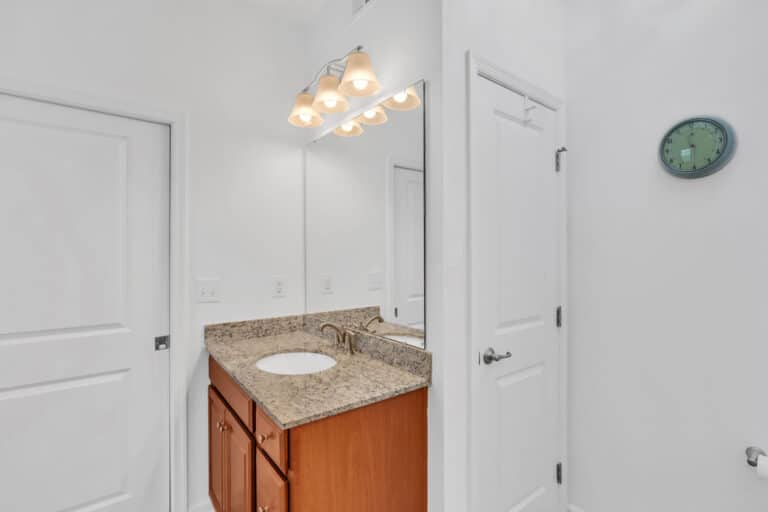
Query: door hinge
pixel 395 312
pixel 558 154
pixel 163 342
pixel 559 316
pixel 559 473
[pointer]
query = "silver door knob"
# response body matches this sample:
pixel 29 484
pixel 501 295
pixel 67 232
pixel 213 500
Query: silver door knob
pixel 490 356
pixel 753 454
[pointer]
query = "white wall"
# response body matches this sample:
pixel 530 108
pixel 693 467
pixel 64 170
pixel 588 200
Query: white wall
pixel 668 280
pixel 215 61
pixel 524 37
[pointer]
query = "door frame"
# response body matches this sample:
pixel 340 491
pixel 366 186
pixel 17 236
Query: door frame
pixel 480 68
pixel 180 266
pixel 395 162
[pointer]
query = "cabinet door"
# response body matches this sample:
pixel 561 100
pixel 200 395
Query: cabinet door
pixel 216 419
pixel 271 488
pixel 239 466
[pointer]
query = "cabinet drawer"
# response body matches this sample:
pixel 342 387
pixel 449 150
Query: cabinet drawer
pixel 234 395
pixel 271 487
pixel 272 439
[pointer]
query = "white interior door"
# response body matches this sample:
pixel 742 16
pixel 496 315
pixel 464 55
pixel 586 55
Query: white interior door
pixel 84 396
pixel 515 290
pixel 408 239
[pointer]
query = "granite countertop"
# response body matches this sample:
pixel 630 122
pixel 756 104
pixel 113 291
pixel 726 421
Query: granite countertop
pixel 292 400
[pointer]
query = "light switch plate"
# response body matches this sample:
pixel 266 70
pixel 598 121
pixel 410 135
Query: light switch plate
pixel 326 285
pixel 375 281
pixel 278 287
pixel 208 290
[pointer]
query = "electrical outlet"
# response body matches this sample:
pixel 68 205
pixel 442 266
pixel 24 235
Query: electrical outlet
pixel 375 281
pixel 208 290
pixel 326 285
pixel 278 287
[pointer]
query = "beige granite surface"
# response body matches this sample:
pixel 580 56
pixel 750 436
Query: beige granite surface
pixel 380 370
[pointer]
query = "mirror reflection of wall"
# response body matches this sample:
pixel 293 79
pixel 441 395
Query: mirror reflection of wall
pixel 365 224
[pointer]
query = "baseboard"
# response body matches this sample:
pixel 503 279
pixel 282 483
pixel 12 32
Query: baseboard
pixel 205 506
pixel 574 508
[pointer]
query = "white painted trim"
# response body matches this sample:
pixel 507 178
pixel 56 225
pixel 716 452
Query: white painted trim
pixel 480 67
pixel 180 315
pixel 205 506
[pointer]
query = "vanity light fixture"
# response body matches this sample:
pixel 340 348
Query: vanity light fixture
pixel 374 116
pixel 403 100
pixel 359 78
pixel 349 129
pixel 350 75
pixel 303 114
pixel 328 99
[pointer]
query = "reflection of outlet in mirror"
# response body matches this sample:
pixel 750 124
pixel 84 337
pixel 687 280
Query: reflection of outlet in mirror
pixel 208 290
pixel 375 281
pixel 326 285
pixel 278 287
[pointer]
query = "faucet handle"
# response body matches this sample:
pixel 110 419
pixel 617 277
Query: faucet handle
pixel 350 338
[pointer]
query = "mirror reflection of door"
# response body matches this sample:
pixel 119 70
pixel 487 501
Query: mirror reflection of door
pixel 407 247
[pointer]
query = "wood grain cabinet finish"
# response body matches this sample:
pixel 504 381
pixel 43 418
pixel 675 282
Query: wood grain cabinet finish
pixel 237 399
pixel 216 416
pixel 271 439
pixel 371 459
pixel 230 458
pixel 271 487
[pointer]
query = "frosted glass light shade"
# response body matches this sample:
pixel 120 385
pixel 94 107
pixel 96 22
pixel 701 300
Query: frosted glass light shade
pixel 403 100
pixel 349 129
pixel 303 115
pixel 328 99
pixel 373 116
pixel 359 78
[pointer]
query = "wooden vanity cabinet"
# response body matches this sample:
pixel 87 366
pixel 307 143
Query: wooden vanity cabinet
pixel 231 463
pixel 371 459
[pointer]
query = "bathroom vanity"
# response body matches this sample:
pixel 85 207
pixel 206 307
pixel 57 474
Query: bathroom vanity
pixel 349 438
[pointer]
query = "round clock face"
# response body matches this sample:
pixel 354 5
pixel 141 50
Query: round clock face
pixel 697 147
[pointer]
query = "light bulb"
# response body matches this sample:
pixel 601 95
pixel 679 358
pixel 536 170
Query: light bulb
pixel 330 103
pixel 348 127
pixel 360 84
pixel 400 97
pixel 305 117
pixel 369 114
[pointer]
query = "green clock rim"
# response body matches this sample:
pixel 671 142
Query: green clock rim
pixel 725 157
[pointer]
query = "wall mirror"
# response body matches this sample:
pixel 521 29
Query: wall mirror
pixel 364 219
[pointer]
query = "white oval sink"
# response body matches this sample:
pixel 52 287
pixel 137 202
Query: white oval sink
pixel 295 363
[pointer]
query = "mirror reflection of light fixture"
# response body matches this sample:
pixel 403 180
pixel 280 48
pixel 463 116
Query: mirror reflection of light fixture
pixel 359 78
pixel 303 114
pixel 403 100
pixel 349 128
pixel 373 116
pixel 328 99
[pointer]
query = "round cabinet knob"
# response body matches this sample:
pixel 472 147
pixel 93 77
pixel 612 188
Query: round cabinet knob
pixel 262 509
pixel 260 439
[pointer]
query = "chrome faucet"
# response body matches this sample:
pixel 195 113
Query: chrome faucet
pixel 367 325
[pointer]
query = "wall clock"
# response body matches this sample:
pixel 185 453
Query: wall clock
pixel 697 147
